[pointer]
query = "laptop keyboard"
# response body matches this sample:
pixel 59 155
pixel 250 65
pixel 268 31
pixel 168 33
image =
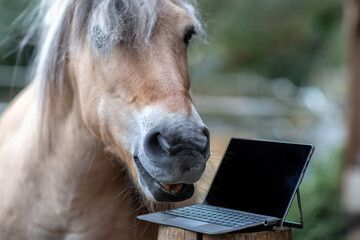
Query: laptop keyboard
pixel 220 216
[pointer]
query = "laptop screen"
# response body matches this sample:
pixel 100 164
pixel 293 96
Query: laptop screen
pixel 259 176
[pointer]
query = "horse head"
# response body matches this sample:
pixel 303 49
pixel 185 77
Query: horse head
pixel 131 74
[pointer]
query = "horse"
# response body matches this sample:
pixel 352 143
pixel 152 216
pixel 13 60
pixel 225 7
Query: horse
pixel 106 129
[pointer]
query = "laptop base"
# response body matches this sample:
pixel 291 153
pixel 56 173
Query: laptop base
pixel 209 219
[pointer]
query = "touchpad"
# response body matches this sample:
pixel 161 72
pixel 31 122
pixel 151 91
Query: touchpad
pixel 178 221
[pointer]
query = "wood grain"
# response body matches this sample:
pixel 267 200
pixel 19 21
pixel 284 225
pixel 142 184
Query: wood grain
pixel 189 235
pixel 171 233
pixel 228 236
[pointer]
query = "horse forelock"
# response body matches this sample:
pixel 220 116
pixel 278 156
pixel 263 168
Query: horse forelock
pixel 108 22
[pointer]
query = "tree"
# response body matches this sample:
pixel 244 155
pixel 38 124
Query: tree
pixel 351 174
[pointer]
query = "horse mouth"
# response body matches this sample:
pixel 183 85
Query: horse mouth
pixel 163 192
pixel 174 188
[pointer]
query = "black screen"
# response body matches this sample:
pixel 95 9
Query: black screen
pixel 259 176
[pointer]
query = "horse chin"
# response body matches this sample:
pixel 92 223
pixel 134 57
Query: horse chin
pixel 162 192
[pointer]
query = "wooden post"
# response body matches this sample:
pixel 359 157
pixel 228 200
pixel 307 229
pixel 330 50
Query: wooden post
pixel 351 166
pixel 352 20
pixel 172 233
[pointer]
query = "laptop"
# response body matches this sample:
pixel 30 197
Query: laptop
pixel 254 186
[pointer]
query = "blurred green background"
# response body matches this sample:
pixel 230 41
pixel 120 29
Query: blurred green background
pixel 270 69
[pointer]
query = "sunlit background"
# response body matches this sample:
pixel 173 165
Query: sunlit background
pixel 269 69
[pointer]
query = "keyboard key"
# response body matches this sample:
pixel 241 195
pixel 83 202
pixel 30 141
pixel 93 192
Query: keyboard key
pixel 221 216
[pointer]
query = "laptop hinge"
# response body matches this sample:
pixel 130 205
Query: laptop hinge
pixel 294 224
pixel 271 222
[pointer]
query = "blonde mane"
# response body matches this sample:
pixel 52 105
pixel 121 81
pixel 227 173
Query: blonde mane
pixel 100 136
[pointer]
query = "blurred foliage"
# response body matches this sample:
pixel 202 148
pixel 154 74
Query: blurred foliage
pixel 12 30
pixel 320 195
pixel 278 38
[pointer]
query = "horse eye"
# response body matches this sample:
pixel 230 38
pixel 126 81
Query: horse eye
pixel 189 32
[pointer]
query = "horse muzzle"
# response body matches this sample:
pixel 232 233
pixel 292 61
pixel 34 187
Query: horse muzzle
pixel 173 157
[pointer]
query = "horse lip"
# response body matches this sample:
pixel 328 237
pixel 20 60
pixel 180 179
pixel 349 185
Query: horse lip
pixel 175 188
pixel 158 191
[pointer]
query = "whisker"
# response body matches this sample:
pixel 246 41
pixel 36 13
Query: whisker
pixel 90 165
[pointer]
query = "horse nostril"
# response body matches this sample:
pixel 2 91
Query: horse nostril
pixel 156 145
pixel 159 144
pixel 206 133
pixel 171 148
pixel 153 146
pixel 163 143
